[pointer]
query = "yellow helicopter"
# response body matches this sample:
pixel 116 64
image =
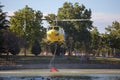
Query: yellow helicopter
pixel 56 33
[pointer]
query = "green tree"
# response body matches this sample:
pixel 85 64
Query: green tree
pixel 95 41
pixel 3 21
pixel 11 43
pixel 36 48
pixel 3 27
pixel 79 30
pixel 104 44
pixel 27 23
pixel 114 36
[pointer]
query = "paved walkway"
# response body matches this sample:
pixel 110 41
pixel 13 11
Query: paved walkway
pixel 61 72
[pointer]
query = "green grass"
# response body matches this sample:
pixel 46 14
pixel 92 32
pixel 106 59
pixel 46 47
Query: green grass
pixel 106 60
pixel 59 60
pixel 46 59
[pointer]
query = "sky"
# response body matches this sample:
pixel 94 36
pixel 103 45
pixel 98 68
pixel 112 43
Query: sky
pixel 104 12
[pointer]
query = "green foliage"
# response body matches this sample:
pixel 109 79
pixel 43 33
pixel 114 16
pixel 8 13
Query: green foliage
pixel 14 50
pixel 50 18
pixel 3 21
pixel 113 38
pixel 1 43
pixel 3 28
pixel 11 43
pixel 36 48
pixel 78 30
pixel 27 23
pixel 95 41
pixel 8 41
pixel 114 35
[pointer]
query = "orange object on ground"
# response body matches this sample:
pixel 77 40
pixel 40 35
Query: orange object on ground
pixel 53 69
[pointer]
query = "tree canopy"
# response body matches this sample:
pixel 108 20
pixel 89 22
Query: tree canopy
pixel 27 23
pixel 3 26
pixel 114 34
pixel 3 21
pixel 95 41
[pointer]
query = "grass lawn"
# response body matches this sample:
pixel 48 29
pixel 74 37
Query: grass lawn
pixel 106 60
pixel 58 59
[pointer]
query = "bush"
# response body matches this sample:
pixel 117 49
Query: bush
pixel 36 48
pixel 14 50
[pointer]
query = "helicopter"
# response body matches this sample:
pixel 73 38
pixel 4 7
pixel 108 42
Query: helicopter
pixel 57 33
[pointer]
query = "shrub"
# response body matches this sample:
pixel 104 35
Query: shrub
pixel 15 49
pixel 36 48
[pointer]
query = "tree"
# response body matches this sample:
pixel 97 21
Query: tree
pixel 11 43
pixel 3 27
pixel 78 30
pixel 3 21
pixel 114 36
pixel 114 32
pixel 27 23
pixel 36 48
pixel 95 41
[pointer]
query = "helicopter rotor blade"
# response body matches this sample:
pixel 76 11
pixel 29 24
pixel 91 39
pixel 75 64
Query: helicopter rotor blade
pixel 43 19
pixel 73 20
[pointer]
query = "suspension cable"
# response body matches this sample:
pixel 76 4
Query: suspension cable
pixel 52 63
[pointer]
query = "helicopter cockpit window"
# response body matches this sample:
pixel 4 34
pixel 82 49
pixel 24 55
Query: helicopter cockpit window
pixel 56 28
pixel 49 28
